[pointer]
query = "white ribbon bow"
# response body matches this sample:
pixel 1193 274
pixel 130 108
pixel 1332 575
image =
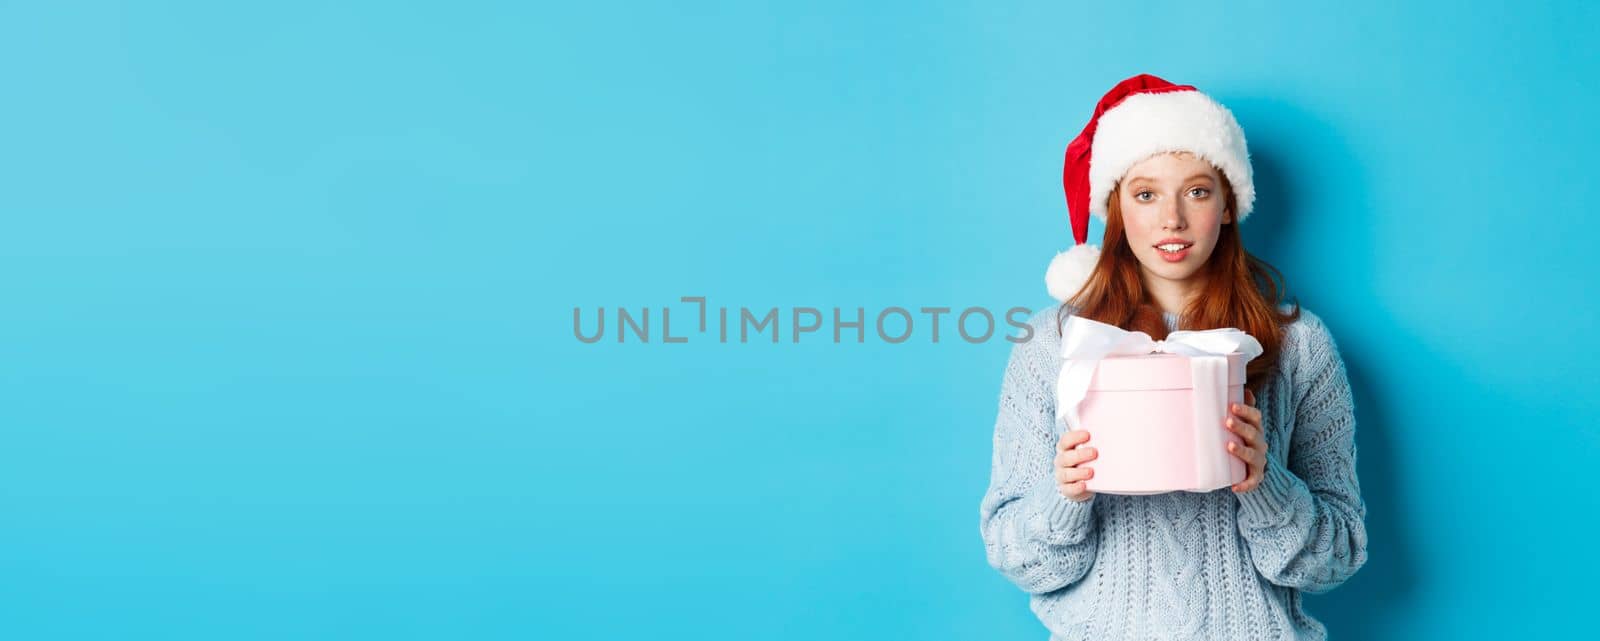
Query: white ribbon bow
pixel 1085 342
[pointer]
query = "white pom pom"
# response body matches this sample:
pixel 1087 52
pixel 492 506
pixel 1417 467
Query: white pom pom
pixel 1069 270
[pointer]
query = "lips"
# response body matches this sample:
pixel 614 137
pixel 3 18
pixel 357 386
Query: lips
pixel 1173 257
pixel 1182 247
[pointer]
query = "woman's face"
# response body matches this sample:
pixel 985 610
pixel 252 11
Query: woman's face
pixel 1172 198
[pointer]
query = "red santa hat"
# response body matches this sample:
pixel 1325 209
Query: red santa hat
pixel 1141 117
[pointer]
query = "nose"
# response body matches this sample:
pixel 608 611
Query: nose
pixel 1172 217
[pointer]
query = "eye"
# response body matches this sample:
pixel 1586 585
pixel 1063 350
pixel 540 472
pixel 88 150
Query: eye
pixel 1203 192
pixel 1140 196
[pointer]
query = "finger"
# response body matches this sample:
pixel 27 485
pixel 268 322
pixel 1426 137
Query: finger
pixel 1072 439
pixel 1243 452
pixel 1074 457
pixel 1252 481
pixel 1258 436
pixel 1249 397
pixel 1072 474
pixel 1246 412
pixel 1075 488
pixel 1250 432
pixel 1237 427
pixel 1255 456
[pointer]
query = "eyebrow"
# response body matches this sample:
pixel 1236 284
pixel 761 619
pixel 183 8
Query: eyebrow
pixel 1149 179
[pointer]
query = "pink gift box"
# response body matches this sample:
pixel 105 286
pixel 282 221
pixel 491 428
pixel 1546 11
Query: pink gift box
pixel 1140 412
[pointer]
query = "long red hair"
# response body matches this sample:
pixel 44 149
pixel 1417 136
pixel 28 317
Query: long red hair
pixel 1240 291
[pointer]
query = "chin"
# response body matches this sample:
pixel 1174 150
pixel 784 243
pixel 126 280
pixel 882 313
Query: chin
pixel 1178 273
pixel 1173 271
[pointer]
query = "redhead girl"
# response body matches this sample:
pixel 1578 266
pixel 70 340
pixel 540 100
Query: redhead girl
pixel 1167 168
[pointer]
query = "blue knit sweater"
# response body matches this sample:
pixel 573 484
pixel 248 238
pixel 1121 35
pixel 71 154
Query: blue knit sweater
pixel 1182 565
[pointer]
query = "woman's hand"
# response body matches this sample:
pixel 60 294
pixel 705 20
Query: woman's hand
pixel 1246 422
pixel 1071 480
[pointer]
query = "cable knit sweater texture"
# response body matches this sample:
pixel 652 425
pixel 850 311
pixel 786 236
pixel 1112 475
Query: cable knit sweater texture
pixel 1182 565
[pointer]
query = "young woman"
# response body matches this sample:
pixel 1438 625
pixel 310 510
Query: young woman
pixel 1167 168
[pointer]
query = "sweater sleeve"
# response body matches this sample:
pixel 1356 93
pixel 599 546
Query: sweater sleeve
pixel 1305 523
pixel 1040 540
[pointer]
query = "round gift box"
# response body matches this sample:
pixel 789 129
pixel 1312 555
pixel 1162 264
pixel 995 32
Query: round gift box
pixel 1140 415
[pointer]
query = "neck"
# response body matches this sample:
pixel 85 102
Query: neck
pixel 1169 295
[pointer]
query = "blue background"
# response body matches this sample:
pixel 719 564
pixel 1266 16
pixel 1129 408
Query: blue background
pixel 288 293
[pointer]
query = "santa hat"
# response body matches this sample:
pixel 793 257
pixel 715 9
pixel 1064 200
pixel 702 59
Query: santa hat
pixel 1140 117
